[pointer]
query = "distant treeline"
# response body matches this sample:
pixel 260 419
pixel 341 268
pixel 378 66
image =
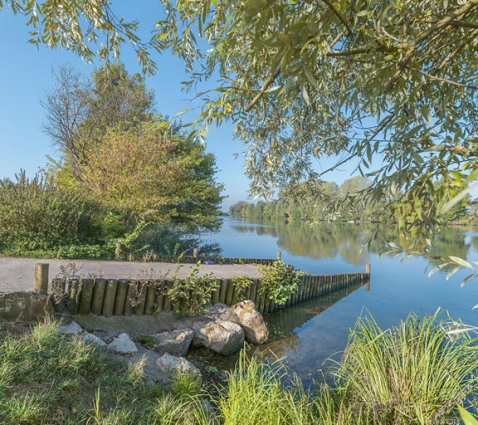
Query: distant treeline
pixel 331 202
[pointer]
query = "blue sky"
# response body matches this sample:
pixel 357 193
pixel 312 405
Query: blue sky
pixel 26 73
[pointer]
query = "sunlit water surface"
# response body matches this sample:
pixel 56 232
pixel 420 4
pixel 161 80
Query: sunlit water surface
pixel 305 335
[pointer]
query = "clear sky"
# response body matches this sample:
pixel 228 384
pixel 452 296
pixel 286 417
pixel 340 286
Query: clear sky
pixel 26 73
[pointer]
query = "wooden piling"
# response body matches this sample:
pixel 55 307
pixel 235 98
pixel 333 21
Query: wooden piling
pixel 158 304
pixel 215 293
pixel 150 299
pixel 130 302
pixel 141 297
pixel 120 299
pixel 40 282
pixel 98 296
pixel 86 296
pixel 167 301
pixel 229 292
pixel 223 290
pixel 110 297
pixel 74 296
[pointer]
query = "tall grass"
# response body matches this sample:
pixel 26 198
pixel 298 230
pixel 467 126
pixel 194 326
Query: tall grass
pixel 255 396
pixel 411 373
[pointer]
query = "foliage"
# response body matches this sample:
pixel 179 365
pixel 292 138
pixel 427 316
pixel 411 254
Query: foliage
pixel 130 160
pixel 192 293
pixel 148 173
pixel 413 373
pixel 255 395
pixel 36 214
pixel 336 203
pixel 278 282
pixel 304 81
pixel 79 111
pixel 241 283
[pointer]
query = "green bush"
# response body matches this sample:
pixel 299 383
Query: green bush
pixel 279 282
pixel 192 293
pixel 35 214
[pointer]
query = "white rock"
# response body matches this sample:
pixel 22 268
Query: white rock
pixel 87 337
pixel 171 365
pixel 123 345
pixel 175 342
pixel 70 329
pixel 222 337
pixel 252 322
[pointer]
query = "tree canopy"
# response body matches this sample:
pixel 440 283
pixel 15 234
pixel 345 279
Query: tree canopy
pixel 389 80
pixel 148 172
pixel 129 159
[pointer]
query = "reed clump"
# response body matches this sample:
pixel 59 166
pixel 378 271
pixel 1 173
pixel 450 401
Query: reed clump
pixel 415 372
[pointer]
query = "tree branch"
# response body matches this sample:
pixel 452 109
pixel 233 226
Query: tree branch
pixel 265 85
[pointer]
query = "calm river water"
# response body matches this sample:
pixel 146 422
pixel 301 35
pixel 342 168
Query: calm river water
pixel 306 335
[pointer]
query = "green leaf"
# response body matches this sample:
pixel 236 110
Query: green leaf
pixel 467 417
pixel 461 262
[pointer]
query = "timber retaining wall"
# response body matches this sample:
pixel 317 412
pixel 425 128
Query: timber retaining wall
pixel 118 297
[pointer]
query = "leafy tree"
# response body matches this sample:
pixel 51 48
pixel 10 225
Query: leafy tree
pixel 148 172
pixel 80 110
pixel 302 81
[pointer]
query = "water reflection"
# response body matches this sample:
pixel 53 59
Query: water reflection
pixel 346 241
pixel 307 334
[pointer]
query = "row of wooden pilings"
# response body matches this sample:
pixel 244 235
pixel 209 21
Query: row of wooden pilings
pixel 118 297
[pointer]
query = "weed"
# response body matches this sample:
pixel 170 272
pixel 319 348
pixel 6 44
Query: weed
pixel 279 282
pixel 192 293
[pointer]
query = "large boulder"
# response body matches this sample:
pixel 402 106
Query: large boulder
pixel 222 337
pixel 171 365
pixel 221 312
pixel 252 322
pixel 175 342
pixel 25 307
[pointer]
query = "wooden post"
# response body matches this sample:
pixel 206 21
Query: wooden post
pixel 367 268
pixel 229 292
pixel 141 297
pixel 158 307
pixel 87 287
pixel 74 296
pixel 40 283
pixel 279 255
pixel 98 297
pixel 130 301
pixel 120 300
pixel 195 253
pixel 110 297
pixel 150 299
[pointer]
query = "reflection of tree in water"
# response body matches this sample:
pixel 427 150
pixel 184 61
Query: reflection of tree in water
pixel 447 242
pixel 328 240
pixel 318 240
pixel 474 242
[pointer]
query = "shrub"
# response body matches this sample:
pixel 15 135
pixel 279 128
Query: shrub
pixel 192 293
pixel 279 282
pixel 35 214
